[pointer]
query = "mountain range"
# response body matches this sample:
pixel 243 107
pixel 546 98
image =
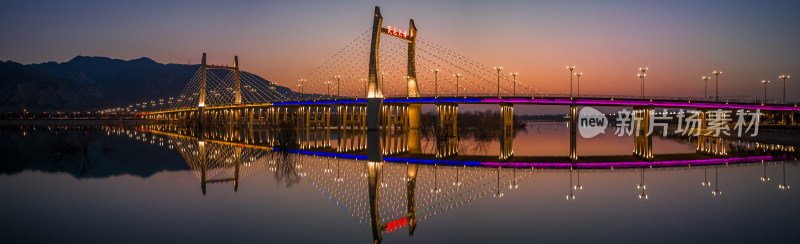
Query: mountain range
pixel 89 83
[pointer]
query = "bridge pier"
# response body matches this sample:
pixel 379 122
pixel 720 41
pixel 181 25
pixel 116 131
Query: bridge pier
pixel 316 122
pixel 374 170
pixel 446 130
pixel 395 119
pixel 352 128
pixel 411 197
pixel 413 139
pixel 507 140
pixel 708 144
pixel 282 124
pixel 573 132
pixel 642 141
pixel 374 106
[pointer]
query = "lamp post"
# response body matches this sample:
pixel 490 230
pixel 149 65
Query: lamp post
pixel 764 178
pixel 328 93
pixel 642 186
pixel 435 83
pixel 765 82
pixel 302 88
pixel 784 77
pixel 570 79
pixel 705 91
pixel 641 76
pixel 579 83
pixel 498 79
pixel 338 79
pixel 716 190
pixel 498 194
pixel 784 186
pixel 514 91
pixel 457 75
pixel 705 181
pixel 366 84
pixel 272 88
pixel 514 184
pixel 571 196
pixel 716 75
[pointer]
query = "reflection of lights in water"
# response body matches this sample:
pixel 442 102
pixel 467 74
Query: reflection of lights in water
pixel 716 190
pixel 784 186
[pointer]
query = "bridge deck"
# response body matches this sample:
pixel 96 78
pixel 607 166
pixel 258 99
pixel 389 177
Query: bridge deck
pixel 581 101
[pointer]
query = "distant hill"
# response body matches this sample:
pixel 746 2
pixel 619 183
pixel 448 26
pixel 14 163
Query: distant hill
pixel 88 83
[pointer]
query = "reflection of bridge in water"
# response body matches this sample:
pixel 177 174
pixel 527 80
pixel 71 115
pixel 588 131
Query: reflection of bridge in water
pixel 386 197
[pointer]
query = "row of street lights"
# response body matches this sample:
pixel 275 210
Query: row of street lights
pixel 641 75
pixel 571 68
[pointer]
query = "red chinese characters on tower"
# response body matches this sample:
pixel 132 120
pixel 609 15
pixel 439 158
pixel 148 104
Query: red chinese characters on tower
pixel 396 32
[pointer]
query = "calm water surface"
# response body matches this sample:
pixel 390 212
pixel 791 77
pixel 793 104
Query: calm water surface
pixel 129 186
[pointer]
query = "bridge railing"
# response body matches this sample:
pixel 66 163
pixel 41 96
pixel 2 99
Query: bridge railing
pixel 317 97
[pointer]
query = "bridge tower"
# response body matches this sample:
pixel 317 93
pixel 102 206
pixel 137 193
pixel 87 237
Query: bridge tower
pixel 237 92
pixel 375 84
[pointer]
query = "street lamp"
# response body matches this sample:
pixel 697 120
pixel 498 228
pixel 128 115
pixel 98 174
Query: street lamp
pixel 338 78
pixel 642 186
pixel 784 186
pixel 571 196
pixel 514 184
pixel 435 83
pixel 579 83
pixel 498 194
pixel 705 91
pixel 457 76
pixel 328 93
pixel 784 77
pixel 514 92
pixel 498 79
pixel 716 75
pixel 764 178
pixel 366 85
pixel 570 79
pixel 436 188
pixel 765 90
pixel 705 181
pixel 641 76
pixel 302 88
pixel 716 181
pixel 272 88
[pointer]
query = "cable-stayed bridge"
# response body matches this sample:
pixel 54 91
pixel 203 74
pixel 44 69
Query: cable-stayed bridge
pixel 380 80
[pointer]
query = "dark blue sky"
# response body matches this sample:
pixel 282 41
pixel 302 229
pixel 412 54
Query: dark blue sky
pixel 284 40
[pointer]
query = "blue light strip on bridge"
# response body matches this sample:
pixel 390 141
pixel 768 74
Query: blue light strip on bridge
pixel 321 102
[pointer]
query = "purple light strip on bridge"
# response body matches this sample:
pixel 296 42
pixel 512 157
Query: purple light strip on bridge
pixel 608 102
pixel 606 165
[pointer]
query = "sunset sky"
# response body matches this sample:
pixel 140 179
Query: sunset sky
pixel 282 41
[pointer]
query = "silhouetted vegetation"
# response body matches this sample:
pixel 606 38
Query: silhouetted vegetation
pixel 285 135
pixel 71 149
